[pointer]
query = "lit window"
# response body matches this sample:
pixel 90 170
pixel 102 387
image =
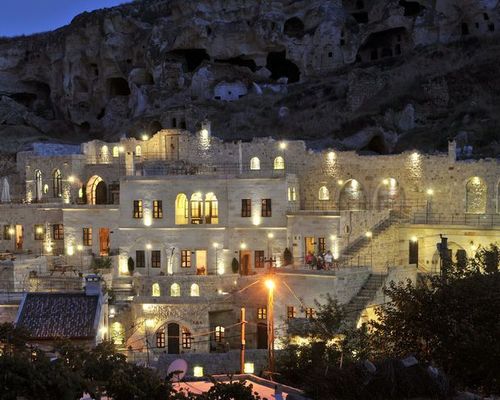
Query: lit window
pixel 266 210
pixel 140 259
pixel 262 313
pixel 324 194
pixel 155 290
pixel 58 231
pixel 246 208
pixel 138 151
pixel 185 258
pixel 211 209
pixel 8 232
pixel 255 163
pixel 292 194
pixel 56 183
pixel 279 163
pixel 160 338
pixel 175 290
pixel 219 333
pixel 39 232
pixel 196 208
pixel 137 209
pixel 186 339
pixel 291 312
pixel 116 152
pixel 321 245
pixel 195 290
pixel 87 236
pixel 310 313
pixel 157 209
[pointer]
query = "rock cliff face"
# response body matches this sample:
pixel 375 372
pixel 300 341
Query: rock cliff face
pixel 376 75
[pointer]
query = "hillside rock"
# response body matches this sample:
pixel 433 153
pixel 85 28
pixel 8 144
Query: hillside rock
pixel 154 64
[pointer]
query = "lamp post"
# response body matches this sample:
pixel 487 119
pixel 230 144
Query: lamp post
pixel 270 285
pixel 270 237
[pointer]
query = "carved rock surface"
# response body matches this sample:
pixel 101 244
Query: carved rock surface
pixel 150 64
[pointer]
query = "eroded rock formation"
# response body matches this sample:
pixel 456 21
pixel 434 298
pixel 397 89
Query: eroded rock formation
pixel 345 71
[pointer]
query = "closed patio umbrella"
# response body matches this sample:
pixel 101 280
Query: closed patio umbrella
pixel 5 197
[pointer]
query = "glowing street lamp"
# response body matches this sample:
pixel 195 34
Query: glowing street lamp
pixel 270 285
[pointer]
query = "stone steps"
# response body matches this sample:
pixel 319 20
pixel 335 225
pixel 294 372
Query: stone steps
pixel 359 302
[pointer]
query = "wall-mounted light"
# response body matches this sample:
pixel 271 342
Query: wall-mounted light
pixel 145 137
pixel 430 192
pixel 243 245
pixel 148 246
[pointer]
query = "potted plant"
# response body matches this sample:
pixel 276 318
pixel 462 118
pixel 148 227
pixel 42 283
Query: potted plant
pixel 130 265
pixel 235 265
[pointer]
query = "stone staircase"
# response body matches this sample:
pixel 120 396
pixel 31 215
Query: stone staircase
pixel 123 290
pixel 363 298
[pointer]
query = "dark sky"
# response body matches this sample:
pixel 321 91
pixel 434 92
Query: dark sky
pixel 18 17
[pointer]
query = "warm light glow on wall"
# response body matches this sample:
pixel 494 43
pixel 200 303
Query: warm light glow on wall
pixel 145 137
pixel 283 145
pixel 430 192
pixel 270 235
pixel 243 245
pixel 148 246
pixel 368 234
pixel 256 219
pixel 414 239
pixel 340 182
pixel 150 323
pixel 71 179
pixel 147 220
pixel 121 149
pixel 70 250
pixel 122 265
pixel 331 156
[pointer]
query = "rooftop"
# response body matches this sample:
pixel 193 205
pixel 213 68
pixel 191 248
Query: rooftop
pixel 59 315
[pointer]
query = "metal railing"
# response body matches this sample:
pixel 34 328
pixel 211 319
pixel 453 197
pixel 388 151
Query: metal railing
pixel 480 220
pixel 337 206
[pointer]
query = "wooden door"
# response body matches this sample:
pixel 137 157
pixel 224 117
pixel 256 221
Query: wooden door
pixel 173 332
pixel 104 242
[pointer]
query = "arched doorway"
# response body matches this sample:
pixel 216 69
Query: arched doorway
pixel 389 194
pixel 262 335
pixel 56 183
pixel 475 196
pixel 173 332
pixel 97 191
pixel 352 196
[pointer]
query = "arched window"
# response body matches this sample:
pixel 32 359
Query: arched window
pixel 56 184
pixel 388 194
pixel 292 193
pixel 155 290
pixel 175 290
pixel 104 154
pixel 116 152
pixel 475 196
pixel 211 209
pixel 323 193
pixel 38 185
pixel 181 209
pixel 279 163
pixel 255 163
pixel 352 196
pixel 219 333
pixel 195 290
pixel 196 208
pixel 138 151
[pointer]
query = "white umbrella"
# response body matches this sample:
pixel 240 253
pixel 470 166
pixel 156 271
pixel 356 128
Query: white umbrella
pixel 5 198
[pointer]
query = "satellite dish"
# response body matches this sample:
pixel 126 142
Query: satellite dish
pixel 177 369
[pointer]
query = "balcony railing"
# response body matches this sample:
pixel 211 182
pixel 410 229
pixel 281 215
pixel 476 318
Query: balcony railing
pixel 480 220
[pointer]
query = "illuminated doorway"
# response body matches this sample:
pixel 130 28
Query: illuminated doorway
pixel 201 262
pixel 19 237
pixel 104 242
pixel 309 245
pixel 245 262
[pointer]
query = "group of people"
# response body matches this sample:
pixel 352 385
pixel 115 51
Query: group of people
pixel 321 261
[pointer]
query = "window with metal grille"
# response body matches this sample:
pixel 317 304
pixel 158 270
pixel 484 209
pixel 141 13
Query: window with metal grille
pixel 259 258
pixel 160 339
pixel 291 312
pixel 321 245
pixel 87 236
pixel 266 208
pixel 262 313
pixel 58 231
pixel 140 259
pixel 310 312
pixel 186 259
pixel 219 333
pixel 246 208
pixel 155 259
pixel 137 209
pixel 157 209
pixel 186 339
pixel 39 232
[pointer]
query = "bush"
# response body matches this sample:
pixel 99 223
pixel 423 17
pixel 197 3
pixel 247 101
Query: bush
pixel 287 257
pixel 101 263
pixel 235 265
pixel 131 265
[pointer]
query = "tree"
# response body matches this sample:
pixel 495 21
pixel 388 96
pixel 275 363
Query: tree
pixel 130 265
pixel 450 320
pixel 235 265
pixel 287 257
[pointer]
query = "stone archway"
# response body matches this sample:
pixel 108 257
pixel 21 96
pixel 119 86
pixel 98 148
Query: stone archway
pixel 389 195
pixel 352 196
pixel 97 191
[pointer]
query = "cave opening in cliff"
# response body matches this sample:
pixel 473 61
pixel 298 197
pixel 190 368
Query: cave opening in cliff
pixel 360 17
pixel 294 28
pixel 155 126
pixel 26 99
pixel 192 58
pixel 383 44
pixel 281 67
pixel 375 145
pixel 239 61
pixel 118 87
pixel 412 8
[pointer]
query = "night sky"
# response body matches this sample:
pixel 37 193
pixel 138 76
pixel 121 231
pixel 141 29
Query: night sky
pixel 18 17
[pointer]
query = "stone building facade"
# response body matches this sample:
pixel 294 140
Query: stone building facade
pixel 191 225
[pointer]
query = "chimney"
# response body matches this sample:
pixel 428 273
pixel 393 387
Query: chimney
pixel 93 285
